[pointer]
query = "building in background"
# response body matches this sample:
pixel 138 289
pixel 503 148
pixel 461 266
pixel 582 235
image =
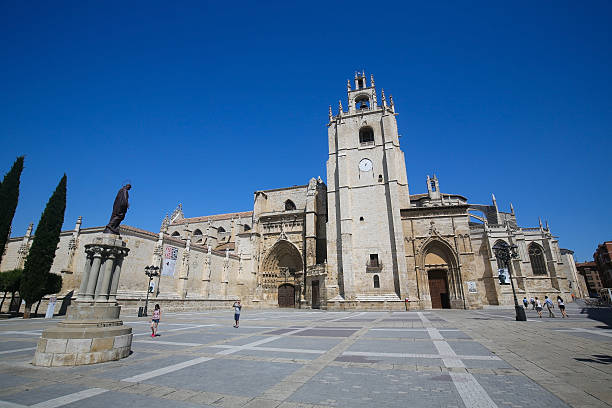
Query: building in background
pixel 602 258
pixel 591 277
pixel 359 241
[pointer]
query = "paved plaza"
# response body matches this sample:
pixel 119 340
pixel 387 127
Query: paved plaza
pixel 308 358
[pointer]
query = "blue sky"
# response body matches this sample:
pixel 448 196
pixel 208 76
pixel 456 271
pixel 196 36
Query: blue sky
pixel 203 104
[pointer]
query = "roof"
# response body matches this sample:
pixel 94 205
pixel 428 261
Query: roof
pixel 284 188
pixel 216 217
pixel 140 230
pixel 228 245
pixel 590 264
pixel 424 195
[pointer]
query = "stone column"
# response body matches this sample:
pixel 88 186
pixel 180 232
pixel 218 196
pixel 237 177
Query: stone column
pixel 86 272
pixel 112 296
pixel 103 290
pixel 93 274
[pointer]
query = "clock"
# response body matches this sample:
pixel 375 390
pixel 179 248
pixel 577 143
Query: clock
pixel 365 165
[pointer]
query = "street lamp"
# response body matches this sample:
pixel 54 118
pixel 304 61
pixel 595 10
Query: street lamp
pixel 505 253
pixel 151 272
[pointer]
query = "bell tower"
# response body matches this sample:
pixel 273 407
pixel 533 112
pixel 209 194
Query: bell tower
pixel 367 187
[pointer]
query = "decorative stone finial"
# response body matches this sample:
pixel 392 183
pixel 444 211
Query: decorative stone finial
pixel 331 115
pixel 348 84
pixel 372 80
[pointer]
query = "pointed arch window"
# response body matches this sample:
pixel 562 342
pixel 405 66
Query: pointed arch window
pixel 500 263
pixel 176 234
pixel 289 205
pixel 366 136
pixel 536 257
pixel 197 236
pixel 220 229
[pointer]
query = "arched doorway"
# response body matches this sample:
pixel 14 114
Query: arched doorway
pixel 281 273
pixel 286 295
pixel 441 272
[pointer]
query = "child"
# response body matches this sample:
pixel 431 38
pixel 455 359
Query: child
pixel 549 305
pixel 155 320
pixel 561 306
pixel 525 303
pixel 532 301
pixel 538 307
pixel 237 308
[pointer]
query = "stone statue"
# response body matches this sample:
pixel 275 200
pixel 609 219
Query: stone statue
pixel 119 209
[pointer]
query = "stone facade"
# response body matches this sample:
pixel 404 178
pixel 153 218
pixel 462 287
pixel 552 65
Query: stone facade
pixel 359 241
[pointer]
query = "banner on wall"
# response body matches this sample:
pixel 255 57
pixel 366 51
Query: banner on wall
pixel 170 256
pixel 504 276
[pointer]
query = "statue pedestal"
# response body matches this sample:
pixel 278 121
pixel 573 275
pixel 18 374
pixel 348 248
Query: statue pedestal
pixel 92 332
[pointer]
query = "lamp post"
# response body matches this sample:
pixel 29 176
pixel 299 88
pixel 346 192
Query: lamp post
pixel 151 272
pixel 506 253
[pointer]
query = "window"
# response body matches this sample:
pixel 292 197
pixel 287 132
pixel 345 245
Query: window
pixel 197 236
pixel 360 218
pixel 289 205
pixel 176 234
pixel 536 257
pixel 374 260
pixel 376 281
pixel 433 185
pixel 366 136
pixel 380 178
pixel 246 227
pixel 220 229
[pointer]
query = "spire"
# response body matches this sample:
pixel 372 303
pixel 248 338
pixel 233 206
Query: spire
pixel 348 84
pixel 330 114
pixel 511 209
pixel 391 104
pixel 540 221
pixel 77 227
pixel 547 229
pixel 384 100
pixel 340 106
pixel 372 80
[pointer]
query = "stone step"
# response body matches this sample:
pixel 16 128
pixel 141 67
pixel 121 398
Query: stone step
pixel 377 297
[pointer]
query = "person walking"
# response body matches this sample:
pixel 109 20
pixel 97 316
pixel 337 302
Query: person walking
pixel 525 302
pixel 237 306
pixel 155 320
pixel 532 301
pixel 549 305
pixel 561 305
pixel 538 306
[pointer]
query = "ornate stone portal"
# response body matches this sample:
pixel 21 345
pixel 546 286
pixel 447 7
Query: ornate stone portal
pixel 92 332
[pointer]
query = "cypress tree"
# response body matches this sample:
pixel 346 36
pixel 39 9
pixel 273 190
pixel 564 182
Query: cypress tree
pixel 41 255
pixel 9 195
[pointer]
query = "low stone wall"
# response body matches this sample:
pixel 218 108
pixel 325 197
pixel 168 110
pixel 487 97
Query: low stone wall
pixel 397 305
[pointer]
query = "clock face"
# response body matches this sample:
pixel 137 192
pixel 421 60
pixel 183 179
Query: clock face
pixel 365 165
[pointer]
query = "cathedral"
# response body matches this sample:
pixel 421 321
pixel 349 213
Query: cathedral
pixel 360 240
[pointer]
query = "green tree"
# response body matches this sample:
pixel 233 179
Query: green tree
pixel 9 195
pixel 53 285
pixel 40 258
pixel 10 282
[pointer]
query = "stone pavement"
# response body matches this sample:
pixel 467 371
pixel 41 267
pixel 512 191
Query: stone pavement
pixel 308 358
